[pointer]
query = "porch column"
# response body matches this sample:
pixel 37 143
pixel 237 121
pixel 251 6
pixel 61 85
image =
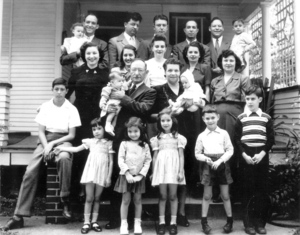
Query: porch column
pixel 266 42
pixel 297 38
pixel 1 16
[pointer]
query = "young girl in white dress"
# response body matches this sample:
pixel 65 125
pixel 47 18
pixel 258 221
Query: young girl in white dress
pixel 134 160
pixel 97 172
pixel 168 162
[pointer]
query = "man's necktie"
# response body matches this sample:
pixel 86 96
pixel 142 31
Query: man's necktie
pixel 217 47
pixel 132 89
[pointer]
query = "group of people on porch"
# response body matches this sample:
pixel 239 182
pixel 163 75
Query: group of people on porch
pixel 138 101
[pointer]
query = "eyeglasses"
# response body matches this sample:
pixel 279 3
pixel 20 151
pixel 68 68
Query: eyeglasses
pixel 137 70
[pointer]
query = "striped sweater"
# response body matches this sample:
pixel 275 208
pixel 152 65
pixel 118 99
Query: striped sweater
pixel 254 130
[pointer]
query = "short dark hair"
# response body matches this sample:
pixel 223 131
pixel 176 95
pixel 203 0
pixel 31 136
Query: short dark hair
pixel 85 46
pixel 172 60
pixel 159 37
pixel 160 17
pixel 128 47
pixel 60 81
pixel 91 14
pixel 174 128
pixel 254 89
pixel 137 122
pixel 100 122
pixel 76 25
pixel 209 108
pixel 200 48
pixel 227 53
pixel 216 18
pixel 133 16
pixel 238 20
pixel 193 21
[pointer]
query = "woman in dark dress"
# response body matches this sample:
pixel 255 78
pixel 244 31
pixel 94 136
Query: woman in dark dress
pixel 227 93
pixel 87 81
pixel 187 124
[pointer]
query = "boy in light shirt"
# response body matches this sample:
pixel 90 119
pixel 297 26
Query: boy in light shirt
pixel 214 148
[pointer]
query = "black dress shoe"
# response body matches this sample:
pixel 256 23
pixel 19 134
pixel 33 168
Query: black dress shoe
pixel 173 229
pixel 96 227
pixel 261 230
pixel 227 227
pixel 85 228
pixel 112 224
pixel 182 220
pixel 206 228
pixel 250 230
pixel 13 224
pixel 161 229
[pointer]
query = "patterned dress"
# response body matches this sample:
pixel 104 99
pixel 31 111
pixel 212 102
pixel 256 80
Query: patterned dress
pixel 96 167
pixel 166 167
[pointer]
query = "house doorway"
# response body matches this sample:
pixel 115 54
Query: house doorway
pixel 178 21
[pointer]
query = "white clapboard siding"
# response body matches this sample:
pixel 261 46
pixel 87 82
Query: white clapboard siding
pixel 287 103
pixel 32 65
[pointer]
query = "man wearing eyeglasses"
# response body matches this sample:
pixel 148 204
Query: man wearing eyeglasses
pixel 137 102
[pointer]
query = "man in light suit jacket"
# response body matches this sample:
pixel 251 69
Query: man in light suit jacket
pixel 116 44
pixel 91 25
pixel 160 25
pixel 217 44
pixel 137 102
pixel 191 30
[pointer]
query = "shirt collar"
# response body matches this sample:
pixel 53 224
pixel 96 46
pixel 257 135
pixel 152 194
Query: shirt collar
pixel 127 36
pixel 164 135
pixel 220 41
pixel 258 112
pixel 90 38
pixel 101 140
pixel 217 130
pixel 137 85
pixel 188 42
pixel 64 105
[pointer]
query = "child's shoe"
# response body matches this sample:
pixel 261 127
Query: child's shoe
pixel 86 228
pixel 173 229
pixel 250 230
pixel 137 227
pixel 228 226
pixel 206 228
pixel 261 230
pixel 109 129
pixel 124 228
pixel 161 229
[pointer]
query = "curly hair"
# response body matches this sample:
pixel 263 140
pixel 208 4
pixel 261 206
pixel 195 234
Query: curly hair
pixel 85 46
pixel 174 128
pixel 226 54
pixel 158 37
pixel 200 49
pixel 136 122
pixel 172 60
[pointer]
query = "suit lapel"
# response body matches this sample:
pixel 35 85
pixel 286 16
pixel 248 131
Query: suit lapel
pixel 122 39
pixel 138 91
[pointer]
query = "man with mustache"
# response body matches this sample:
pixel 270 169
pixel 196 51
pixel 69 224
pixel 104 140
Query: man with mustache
pixel 90 25
pixel 116 44
pixel 191 30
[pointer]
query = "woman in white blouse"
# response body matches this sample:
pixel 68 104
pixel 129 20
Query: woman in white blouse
pixel 156 72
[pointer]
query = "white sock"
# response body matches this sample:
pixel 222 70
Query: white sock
pixel 123 222
pixel 94 217
pixel 162 219
pixel 173 219
pixel 87 218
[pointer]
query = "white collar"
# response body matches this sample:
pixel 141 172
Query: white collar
pixel 164 135
pixel 219 39
pixel 195 40
pixel 137 85
pixel 90 38
pixel 64 105
pixel 258 112
pixel 207 131
pixel 127 36
pixel 101 140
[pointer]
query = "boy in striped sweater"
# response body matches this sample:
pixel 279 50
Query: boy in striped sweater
pixel 254 137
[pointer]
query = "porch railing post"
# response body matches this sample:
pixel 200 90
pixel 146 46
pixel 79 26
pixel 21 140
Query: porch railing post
pixel 266 42
pixel 297 38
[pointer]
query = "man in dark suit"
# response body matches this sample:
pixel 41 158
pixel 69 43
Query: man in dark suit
pixel 191 30
pixel 116 44
pixel 217 44
pixel 136 102
pixel 160 25
pixel 91 25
